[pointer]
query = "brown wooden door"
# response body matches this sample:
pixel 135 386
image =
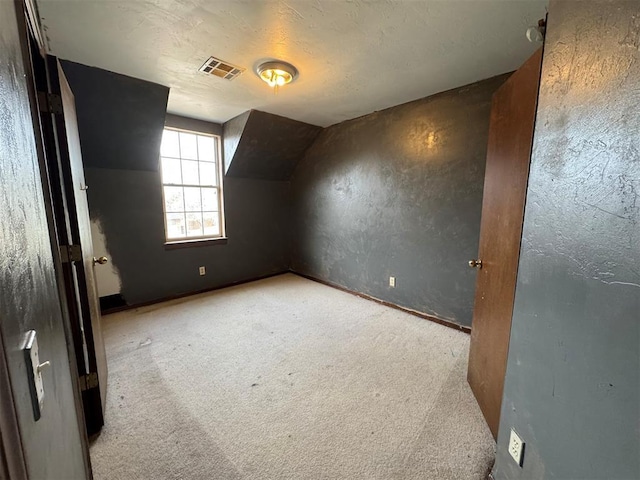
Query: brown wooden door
pixel 505 186
pixel 71 210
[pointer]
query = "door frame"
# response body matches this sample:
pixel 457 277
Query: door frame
pixel 61 210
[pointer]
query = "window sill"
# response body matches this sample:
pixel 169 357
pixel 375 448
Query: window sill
pixel 200 242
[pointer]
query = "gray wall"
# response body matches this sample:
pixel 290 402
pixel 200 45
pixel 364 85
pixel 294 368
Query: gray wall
pixel 125 196
pixel 398 192
pixel 572 389
pixel 265 146
pixel 120 118
pixel 232 134
pixel 28 294
pixel 129 206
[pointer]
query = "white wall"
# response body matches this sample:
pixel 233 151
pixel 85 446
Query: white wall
pixel 107 276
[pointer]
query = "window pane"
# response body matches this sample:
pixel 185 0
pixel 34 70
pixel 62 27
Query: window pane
pixel 173 199
pixel 188 146
pixel 175 225
pixel 192 199
pixel 210 199
pixel 190 172
pixel 170 146
pixel 206 149
pixel 211 223
pixel 191 183
pixel 194 224
pixel 208 174
pixel 171 172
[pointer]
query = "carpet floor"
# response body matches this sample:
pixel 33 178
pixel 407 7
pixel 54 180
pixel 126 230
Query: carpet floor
pixel 285 378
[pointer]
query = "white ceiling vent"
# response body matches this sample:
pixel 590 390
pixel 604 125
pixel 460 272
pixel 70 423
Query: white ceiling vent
pixel 220 68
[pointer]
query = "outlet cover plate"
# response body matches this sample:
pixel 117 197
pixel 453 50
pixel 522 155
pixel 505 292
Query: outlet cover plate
pixel 202 270
pixel 516 447
pixel 392 282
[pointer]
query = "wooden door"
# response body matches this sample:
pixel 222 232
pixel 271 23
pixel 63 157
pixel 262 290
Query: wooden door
pixel 505 186
pixel 71 211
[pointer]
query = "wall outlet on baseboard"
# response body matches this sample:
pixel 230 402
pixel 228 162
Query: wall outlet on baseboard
pixel 202 270
pixel 516 447
pixel 392 282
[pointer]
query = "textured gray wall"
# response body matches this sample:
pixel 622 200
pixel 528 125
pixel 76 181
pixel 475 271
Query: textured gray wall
pixel 194 124
pixel 231 135
pixel 398 192
pixel 109 138
pixel 269 146
pixel 29 294
pixel 572 389
pixel 125 196
pixel 129 206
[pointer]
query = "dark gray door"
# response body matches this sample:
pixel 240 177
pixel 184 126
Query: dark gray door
pixel 54 446
pixel 74 212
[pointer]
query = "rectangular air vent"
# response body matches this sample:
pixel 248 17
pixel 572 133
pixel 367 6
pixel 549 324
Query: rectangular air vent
pixel 220 68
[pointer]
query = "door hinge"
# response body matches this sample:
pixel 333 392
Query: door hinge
pixel 50 103
pixel 88 381
pixel 70 253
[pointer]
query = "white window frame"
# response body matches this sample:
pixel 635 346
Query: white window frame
pixel 219 187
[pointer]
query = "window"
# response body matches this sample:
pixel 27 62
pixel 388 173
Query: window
pixel 191 185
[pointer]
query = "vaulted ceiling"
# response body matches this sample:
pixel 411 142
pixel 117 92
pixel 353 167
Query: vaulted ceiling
pixel 354 57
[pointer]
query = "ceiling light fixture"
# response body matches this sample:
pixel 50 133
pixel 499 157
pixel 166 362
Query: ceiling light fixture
pixel 277 73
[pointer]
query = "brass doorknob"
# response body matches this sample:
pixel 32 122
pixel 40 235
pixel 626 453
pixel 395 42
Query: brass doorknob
pixel 101 260
pixel 475 263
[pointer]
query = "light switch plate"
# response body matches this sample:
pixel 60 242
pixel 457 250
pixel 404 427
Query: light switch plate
pixel 36 386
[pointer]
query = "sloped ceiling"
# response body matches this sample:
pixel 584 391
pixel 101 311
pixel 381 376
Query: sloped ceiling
pixel 354 57
pixel 266 146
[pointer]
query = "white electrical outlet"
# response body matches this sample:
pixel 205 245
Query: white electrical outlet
pixel 392 282
pixel 516 447
pixel 202 270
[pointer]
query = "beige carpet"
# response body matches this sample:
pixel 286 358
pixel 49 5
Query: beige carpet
pixel 286 378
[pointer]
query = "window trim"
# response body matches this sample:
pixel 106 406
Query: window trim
pixel 201 240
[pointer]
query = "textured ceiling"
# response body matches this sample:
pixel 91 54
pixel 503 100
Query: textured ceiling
pixel 354 57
